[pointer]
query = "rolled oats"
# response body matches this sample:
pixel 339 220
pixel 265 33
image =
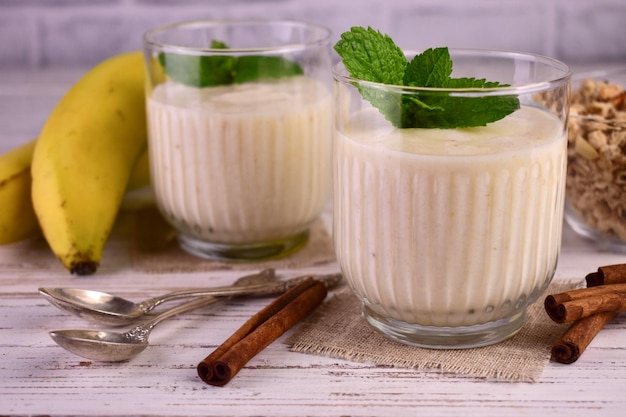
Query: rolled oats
pixel 596 172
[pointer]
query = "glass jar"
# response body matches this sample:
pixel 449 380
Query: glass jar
pixel 595 202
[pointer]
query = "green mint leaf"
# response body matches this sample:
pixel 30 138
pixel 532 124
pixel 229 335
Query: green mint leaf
pixel 431 68
pixel 215 44
pixel 198 71
pixel 252 68
pixel 446 112
pixel 207 71
pixel 440 110
pixel 371 56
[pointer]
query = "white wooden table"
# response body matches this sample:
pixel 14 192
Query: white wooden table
pixel 39 378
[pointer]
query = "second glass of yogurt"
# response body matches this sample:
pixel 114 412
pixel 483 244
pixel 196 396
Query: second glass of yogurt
pixel 239 123
pixel 447 235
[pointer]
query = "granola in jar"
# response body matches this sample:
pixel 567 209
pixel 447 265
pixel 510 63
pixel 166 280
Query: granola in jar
pixel 596 171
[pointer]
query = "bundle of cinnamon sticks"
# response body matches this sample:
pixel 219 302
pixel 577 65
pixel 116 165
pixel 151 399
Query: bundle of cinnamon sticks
pixel 589 309
pixel 262 329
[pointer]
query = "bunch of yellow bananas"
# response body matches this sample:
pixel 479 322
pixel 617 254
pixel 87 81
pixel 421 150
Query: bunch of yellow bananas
pixel 70 182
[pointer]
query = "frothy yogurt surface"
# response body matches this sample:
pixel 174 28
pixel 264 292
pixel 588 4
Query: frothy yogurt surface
pixel 449 227
pixel 242 163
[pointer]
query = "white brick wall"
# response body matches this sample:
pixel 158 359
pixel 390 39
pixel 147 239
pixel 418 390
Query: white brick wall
pixel 56 33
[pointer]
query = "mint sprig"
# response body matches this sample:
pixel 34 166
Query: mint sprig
pixel 214 70
pixel 371 56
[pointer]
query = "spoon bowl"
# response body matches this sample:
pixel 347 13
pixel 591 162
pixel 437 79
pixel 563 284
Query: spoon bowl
pixel 111 346
pixel 95 306
pixel 99 345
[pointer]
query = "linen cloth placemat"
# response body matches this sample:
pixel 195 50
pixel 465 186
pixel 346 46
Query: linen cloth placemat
pixel 155 250
pixel 337 329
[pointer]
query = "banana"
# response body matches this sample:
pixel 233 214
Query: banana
pixel 139 196
pixel 84 157
pixel 140 176
pixel 17 217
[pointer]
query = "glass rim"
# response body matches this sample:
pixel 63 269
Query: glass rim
pixel 602 74
pixel 340 74
pixel 148 36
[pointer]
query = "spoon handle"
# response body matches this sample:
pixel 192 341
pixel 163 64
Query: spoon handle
pixel 254 289
pixel 267 288
pixel 267 274
pixel 179 309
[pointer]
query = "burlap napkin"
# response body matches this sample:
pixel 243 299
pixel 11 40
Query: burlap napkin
pixel 337 329
pixel 155 250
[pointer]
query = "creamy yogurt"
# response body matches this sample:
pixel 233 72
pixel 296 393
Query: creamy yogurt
pixel 241 164
pixel 449 227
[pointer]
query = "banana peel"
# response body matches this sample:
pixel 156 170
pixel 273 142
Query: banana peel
pixel 18 220
pixel 84 157
pixel 17 217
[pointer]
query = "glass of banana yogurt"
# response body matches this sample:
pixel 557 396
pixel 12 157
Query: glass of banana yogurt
pixel 239 123
pixel 447 233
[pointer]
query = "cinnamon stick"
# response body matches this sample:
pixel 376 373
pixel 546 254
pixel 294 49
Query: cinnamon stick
pixel 261 330
pixel 571 345
pixel 608 274
pixel 581 307
pixel 582 293
pixel 568 348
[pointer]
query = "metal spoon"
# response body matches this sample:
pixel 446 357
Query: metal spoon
pixel 115 311
pixel 102 308
pixel 114 346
